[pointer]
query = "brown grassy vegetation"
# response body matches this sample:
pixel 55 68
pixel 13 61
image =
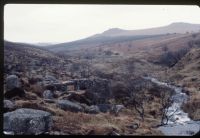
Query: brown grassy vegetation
pixel 192 107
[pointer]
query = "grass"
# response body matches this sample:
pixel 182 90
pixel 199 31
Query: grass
pixel 101 124
pixel 192 107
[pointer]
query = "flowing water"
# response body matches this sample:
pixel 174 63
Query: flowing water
pixel 179 122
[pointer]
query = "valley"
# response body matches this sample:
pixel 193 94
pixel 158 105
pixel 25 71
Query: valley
pixel 97 85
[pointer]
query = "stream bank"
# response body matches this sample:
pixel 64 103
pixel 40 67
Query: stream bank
pixel 179 123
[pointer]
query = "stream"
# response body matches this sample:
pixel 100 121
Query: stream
pixel 179 123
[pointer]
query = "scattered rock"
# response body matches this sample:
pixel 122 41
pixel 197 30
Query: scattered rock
pixel 104 107
pixel 56 86
pixel 113 133
pixel 70 106
pixel 35 80
pixel 60 87
pixel 12 82
pixel 27 121
pixel 116 109
pixel 57 133
pixel 134 126
pixel 8 105
pixel 82 84
pixel 93 109
pixel 49 80
pixel 47 94
pixel 50 87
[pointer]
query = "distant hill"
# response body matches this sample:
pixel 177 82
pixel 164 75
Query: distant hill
pixel 172 28
pixel 116 35
pixel 29 48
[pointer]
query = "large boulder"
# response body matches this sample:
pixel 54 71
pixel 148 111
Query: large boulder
pixel 27 121
pixel 12 81
pixel 8 105
pixel 69 106
pixel 47 94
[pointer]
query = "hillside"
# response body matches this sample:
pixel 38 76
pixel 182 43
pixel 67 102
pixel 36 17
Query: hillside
pixel 117 35
pixel 31 60
pixel 187 70
pixel 178 27
pixel 186 73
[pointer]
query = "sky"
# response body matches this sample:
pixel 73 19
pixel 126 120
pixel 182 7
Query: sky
pixel 54 23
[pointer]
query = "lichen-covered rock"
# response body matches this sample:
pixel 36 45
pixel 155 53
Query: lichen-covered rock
pixel 8 105
pixel 47 94
pixel 27 121
pixel 69 106
pixel 12 81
